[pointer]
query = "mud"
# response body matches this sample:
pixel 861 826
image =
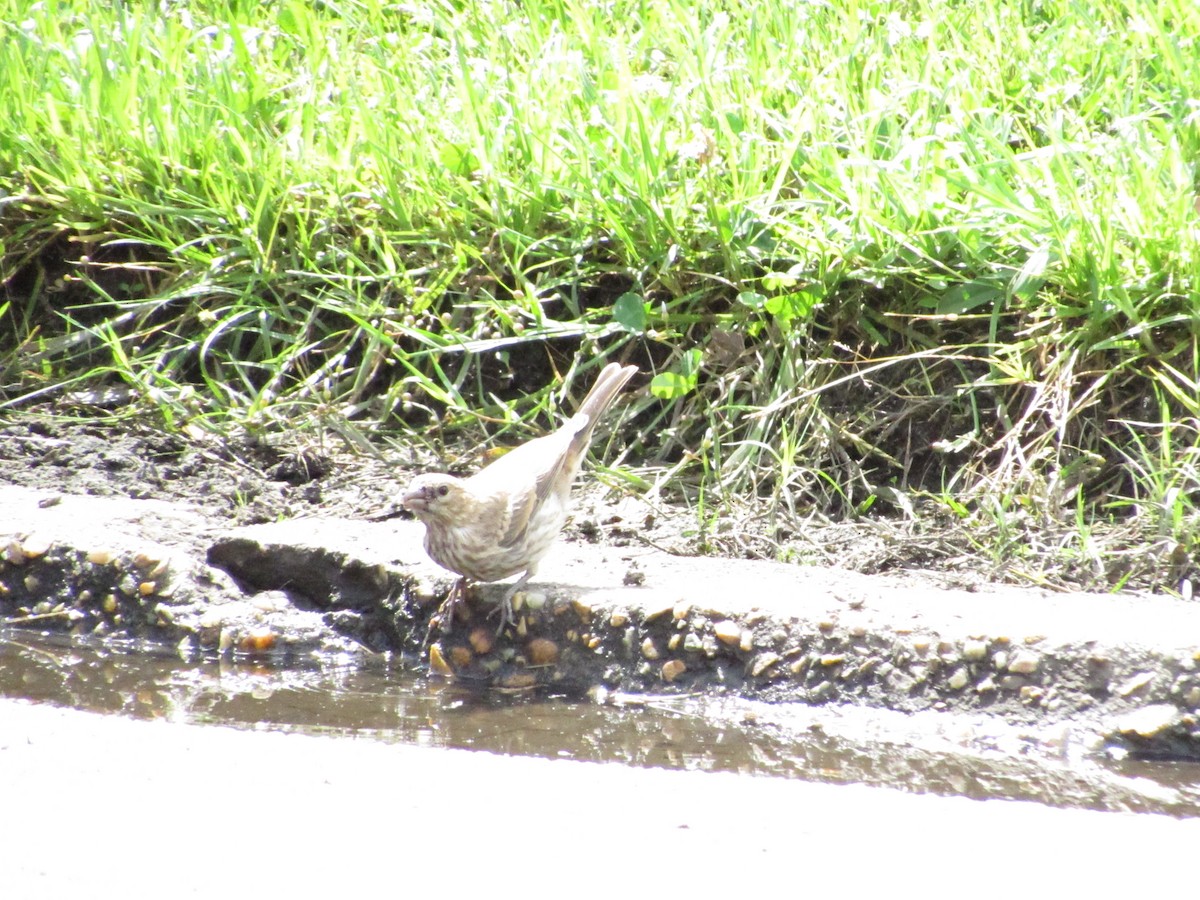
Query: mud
pixel 231 550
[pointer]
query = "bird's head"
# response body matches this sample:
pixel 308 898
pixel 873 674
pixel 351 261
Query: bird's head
pixel 436 497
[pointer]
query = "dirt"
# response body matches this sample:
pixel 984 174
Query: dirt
pixel 256 547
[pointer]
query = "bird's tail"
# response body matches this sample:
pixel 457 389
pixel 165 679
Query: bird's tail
pixel 608 384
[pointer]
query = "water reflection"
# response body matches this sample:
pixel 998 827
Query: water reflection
pixel 385 699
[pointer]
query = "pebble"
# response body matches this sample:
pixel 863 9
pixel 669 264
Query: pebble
pixel 1192 697
pixel 988 684
pixel 728 632
pixel 460 656
pixel 583 610
pixel 14 554
pixel 1000 660
pixel 763 662
pixel 832 659
pixel 542 652
pixel 437 661
pixel 692 643
pixel 651 615
pixel 35 545
pixel 618 619
pixel 974 650
pixel 482 640
pixel 746 642
pixel 518 681
pixel 109 603
pixel 100 556
pixel 1136 683
pixel 534 600
pixel 650 649
pixel 145 560
pixel 681 610
pixel 146 588
pixel 674 642
pixel 1023 663
pixel 958 679
pixel 32 583
pixel 1149 720
pixel 258 640
pixel 672 669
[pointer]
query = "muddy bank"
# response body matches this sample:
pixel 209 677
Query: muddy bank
pixel 603 618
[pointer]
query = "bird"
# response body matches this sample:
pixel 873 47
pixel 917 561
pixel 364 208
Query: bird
pixel 503 519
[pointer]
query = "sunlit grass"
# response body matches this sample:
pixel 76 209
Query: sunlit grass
pixel 865 248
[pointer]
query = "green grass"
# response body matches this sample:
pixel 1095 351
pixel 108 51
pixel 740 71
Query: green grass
pixel 865 249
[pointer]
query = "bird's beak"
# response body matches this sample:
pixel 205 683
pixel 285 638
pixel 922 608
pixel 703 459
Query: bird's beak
pixel 414 500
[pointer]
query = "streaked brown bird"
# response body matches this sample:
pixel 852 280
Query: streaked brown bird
pixel 503 519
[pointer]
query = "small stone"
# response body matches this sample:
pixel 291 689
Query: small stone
pixel 1031 694
pixel 763 662
pixel 672 669
pixel 460 656
pixel 974 650
pixel 127 585
pixel 593 642
pixel 832 659
pixel 746 641
pixel 437 661
pixel 727 632
pixel 146 588
pixel 1000 660
pixel 650 649
pixel 674 642
pixel 988 684
pixel 534 600
pixel 101 556
pixel 1023 663
pixel 1012 682
pixel 542 652
pixel 518 681
pixel 33 584
pixel 482 640
pixel 35 545
pixel 14 554
pixel 1149 720
pixel 583 610
pixel 164 614
pixel 958 679
pixel 921 646
pixel 1192 697
pixel 145 560
pixel 1136 683
pixel 653 614
pixel 692 642
pixel 109 603
pixel 680 610
pixel 257 641
pixel 618 619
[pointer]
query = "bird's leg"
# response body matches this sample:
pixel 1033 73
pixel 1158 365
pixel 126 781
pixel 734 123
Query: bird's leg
pixel 457 594
pixel 506 610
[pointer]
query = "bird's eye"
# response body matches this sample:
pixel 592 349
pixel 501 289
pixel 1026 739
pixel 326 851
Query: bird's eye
pixel 443 490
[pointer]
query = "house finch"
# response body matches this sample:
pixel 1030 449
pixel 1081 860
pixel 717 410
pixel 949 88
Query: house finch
pixel 503 519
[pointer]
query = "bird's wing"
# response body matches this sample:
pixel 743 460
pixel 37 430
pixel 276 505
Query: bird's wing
pixel 527 475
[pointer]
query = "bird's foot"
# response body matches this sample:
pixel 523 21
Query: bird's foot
pixel 444 619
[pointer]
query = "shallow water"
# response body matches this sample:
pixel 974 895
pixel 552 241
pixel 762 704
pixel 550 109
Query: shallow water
pixel 387 700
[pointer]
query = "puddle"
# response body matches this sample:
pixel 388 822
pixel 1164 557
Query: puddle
pixel 383 699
